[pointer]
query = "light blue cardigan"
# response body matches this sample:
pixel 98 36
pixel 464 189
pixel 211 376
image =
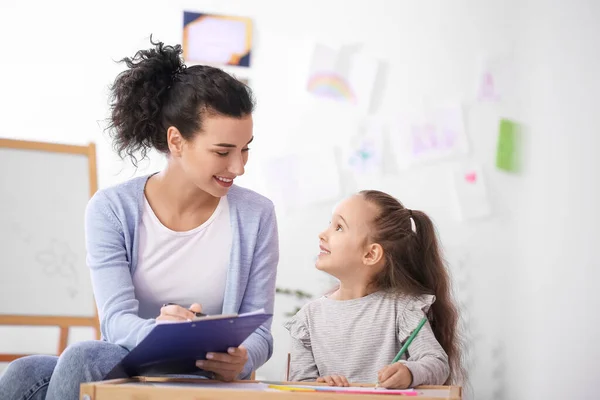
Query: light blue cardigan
pixel 111 228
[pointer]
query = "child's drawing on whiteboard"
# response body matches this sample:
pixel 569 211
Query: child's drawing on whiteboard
pixel 344 75
pixel 363 153
pixel 299 180
pixel 471 194
pixel 429 136
pixel 58 261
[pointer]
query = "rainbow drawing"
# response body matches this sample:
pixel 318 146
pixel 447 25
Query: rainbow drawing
pixel 331 85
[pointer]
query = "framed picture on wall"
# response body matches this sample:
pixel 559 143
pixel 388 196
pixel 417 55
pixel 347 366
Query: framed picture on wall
pixel 217 40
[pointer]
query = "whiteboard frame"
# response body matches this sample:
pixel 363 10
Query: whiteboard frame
pixel 64 323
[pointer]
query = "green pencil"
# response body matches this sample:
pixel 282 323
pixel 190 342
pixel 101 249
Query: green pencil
pixel 409 341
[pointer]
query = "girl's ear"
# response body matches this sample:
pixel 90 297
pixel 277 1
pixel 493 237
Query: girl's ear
pixel 174 141
pixel 373 254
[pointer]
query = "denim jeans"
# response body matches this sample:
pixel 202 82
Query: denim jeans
pixel 43 377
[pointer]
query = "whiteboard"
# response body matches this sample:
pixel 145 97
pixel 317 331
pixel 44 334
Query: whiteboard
pixel 43 195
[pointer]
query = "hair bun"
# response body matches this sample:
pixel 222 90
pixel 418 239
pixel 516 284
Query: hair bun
pixel 138 94
pixel 163 61
pixel 157 91
pixel 171 59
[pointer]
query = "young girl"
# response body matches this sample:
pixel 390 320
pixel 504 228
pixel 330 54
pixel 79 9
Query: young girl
pixel 387 260
pixel 186 235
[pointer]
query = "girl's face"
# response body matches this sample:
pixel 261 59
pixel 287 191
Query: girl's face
pixel 344 245
pixel 218 154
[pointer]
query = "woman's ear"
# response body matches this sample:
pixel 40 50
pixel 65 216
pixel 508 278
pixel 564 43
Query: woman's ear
pixel 373 254
pixel 174 141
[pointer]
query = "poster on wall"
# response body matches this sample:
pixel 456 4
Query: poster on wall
pixel 342 74
pixel 216 39
pixel 495 78
pixel 429 135
pixel 363 153
pixel 508 149
pixel 470 192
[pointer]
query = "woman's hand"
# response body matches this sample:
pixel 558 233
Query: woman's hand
pixel 395 376
pixel 173 313
pixel 334 380
pixel 226 366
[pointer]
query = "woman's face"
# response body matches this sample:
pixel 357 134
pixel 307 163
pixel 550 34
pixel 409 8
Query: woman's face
pixel 218 154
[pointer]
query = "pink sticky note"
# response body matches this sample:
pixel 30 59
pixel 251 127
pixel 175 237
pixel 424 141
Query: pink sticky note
pixel 471 177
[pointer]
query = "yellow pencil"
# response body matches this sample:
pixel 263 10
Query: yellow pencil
pixel 291 389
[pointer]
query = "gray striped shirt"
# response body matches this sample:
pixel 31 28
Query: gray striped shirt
pixel 356 338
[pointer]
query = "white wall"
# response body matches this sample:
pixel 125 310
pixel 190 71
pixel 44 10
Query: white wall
pixel 555 323
pixel 538 244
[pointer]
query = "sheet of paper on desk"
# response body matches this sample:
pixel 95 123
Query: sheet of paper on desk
pixel 269 387
pixel 255 386
pixel 430 393
pixel 349 390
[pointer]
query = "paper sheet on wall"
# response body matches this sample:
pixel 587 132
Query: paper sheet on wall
pixel 470 192
pixel 495 79
pixel 342 74
pixel 507 153
pixel 298 180
pixel 364 151
pixel 429 135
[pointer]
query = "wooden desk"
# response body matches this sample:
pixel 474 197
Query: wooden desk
pixel 144 388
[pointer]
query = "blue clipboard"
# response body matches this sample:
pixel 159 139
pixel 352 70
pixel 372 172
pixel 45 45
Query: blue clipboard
pixel 173 348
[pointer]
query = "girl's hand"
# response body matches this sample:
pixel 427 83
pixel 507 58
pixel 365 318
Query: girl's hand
pixel 334 380
pixel 395 376
pixel 225 366
pixel 173 313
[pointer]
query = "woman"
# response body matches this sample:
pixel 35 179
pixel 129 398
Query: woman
pixel 185 235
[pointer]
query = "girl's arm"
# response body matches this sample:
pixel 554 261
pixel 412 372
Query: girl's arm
pixel 302 361
pixel 260 292
pixel 111 276
pixel 427 360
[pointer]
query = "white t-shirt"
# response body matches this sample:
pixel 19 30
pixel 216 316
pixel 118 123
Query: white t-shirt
pixel 183 267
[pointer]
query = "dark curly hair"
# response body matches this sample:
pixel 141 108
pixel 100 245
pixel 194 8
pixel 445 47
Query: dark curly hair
pixel 157 91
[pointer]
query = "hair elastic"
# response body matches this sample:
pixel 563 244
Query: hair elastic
pixel 413 226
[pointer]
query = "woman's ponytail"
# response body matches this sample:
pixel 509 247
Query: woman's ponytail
pixel 137 98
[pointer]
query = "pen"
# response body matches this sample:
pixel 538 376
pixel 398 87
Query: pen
pixel 408 342
pixel 198 314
